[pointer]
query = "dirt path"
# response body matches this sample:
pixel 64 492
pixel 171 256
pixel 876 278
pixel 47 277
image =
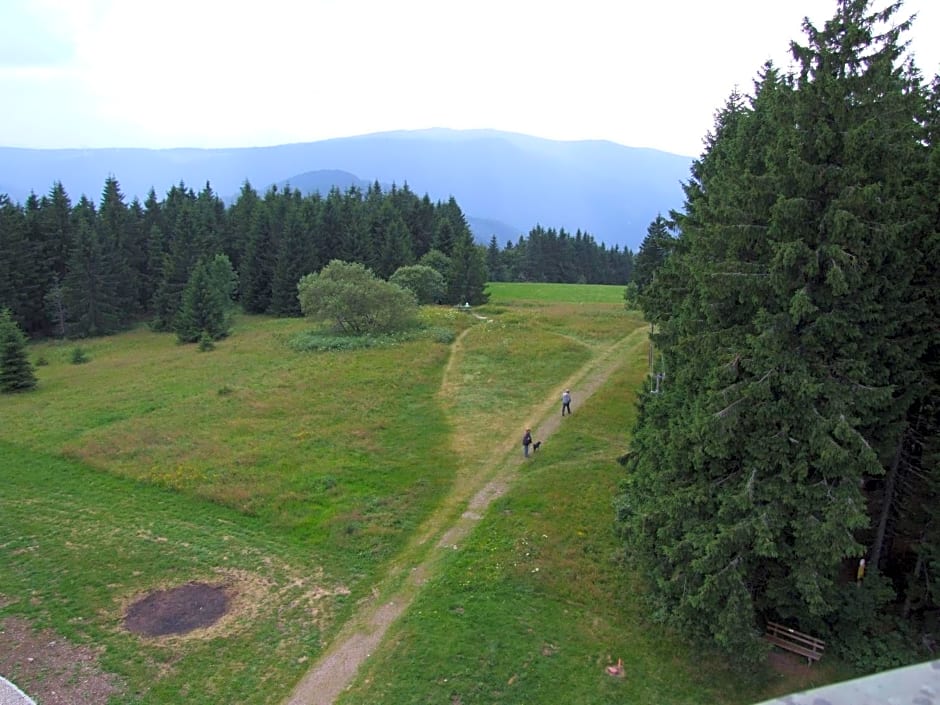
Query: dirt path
pixel 446 527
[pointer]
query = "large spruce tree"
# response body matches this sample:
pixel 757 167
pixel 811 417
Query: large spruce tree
pixel 791 337
pixel 91 289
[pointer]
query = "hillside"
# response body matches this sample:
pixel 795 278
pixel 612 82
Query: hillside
pixel 512 180
pixel 316 489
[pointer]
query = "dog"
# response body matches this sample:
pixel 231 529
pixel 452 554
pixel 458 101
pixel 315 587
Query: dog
pixel 536 445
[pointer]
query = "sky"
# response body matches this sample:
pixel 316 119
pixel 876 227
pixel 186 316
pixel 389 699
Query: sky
pixel 224 73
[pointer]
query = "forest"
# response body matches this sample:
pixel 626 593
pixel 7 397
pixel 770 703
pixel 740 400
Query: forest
pixel 784 464
pixel 93 269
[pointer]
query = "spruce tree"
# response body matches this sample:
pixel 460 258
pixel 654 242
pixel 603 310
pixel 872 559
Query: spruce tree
pixel 91 295
pixel 14 256
pixel 494 267
pixel 177 265
pixel 122 243
pixel 295 258
pixel 257 269
pixel 16 371
pixel 205 301
pixel 36 273
pixel 652 253
pixel 55 307
pixel 392 241
pixel 355 244
pixel 444 236
pixel 330 226
pixel 466 279
pixel 58 229
pixel 419 219
pixel 787 329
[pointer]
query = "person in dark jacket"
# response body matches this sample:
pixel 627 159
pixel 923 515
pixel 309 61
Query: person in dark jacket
pixel 526 442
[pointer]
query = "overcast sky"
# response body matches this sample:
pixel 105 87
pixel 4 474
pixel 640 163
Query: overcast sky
pixel 207 73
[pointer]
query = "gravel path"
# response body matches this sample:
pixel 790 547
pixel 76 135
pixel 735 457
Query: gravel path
pixel 337 667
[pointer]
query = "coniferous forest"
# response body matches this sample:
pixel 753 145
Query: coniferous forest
pixel 784 464
pixel 87 269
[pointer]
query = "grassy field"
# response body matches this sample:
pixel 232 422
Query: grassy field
pixel 539 600
pixel 296 479
pixel 541 294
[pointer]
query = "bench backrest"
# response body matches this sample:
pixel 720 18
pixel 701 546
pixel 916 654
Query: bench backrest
pixel 782 631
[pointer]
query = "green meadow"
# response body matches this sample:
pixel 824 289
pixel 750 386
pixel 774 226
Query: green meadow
pixel 539 293
pixel 300 481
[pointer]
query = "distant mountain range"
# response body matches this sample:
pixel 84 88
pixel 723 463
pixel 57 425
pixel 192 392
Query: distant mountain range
pixel 506 183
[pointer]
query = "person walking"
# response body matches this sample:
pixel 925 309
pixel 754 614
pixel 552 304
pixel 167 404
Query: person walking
pixel 566 402
pixel 526 442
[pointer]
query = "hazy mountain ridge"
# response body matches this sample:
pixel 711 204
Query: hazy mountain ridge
pixel 322 181
pixel 517 181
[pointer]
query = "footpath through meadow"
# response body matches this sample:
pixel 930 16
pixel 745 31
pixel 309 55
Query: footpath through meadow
pixel 475 488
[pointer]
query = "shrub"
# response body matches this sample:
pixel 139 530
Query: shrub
pixel 355 301
pixel 426 283
pixel 438 261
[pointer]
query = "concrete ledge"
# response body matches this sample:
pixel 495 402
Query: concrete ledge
pixel 917 685
pixel 11 695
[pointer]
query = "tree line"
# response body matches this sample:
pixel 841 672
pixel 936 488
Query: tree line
pixel 92 269
pixel 784 462
pixel 549 255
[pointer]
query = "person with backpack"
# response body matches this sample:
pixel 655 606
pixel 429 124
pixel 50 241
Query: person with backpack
pixel 526 442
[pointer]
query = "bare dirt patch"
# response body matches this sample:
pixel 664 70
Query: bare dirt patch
pixel 178 610
pixel 52 670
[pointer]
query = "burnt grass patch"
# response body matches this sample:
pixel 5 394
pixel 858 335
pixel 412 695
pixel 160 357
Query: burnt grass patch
pixel 177 610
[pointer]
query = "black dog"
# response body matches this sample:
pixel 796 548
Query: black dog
pixel 536 445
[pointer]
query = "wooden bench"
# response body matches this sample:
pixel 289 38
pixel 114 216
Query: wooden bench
pixel 797 642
